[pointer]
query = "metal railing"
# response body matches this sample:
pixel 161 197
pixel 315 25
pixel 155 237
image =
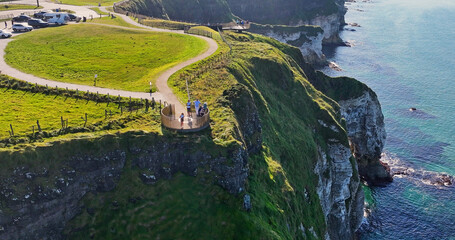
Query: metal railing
pixel 170 119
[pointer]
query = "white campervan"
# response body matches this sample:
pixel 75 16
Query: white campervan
pixel 58 18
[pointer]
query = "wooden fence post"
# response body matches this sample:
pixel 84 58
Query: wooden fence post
pixel 85 120
pixel 146 105
pixel 39 127
pixel 12 130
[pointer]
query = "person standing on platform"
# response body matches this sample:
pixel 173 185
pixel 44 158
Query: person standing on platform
pixel 188 108
pixel 197 103
pixel 182 118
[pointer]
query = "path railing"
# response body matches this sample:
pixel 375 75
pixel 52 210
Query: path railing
pixel 170 120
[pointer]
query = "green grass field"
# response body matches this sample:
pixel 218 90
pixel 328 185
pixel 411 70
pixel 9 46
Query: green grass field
pixel 118 21
pixel 7 7
pixel 88 2
pixel 166 24
pixel 98 11
pixel 22 109
pixel 122 58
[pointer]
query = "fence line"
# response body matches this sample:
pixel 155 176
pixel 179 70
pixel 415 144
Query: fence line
pixel 124 105
pixel 224 40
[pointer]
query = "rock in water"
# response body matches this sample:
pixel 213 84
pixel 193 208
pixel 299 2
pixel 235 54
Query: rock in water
pixel 247 202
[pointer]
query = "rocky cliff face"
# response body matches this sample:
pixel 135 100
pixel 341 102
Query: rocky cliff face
pixel 339 190
pixel 37 202
pixel 331 25
pixel 307 38
pixel 48 201
pixel 365 127
pixel 361 109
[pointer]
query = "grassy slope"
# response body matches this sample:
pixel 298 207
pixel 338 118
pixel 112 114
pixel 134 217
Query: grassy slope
pixel 98 11
pixel 199 11
pixel 118 21
pixel 166 24
pixel 88 2
pixel 283 12
pixel 280 176
pixel 339 88
pixel 22 109
pixel 7 7
pixel 123 59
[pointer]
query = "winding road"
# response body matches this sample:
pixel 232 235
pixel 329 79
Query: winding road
pixel 164 93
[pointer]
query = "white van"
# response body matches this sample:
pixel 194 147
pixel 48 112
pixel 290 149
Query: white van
pixel 58 18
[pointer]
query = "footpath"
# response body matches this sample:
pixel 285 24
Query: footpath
pixel 164 93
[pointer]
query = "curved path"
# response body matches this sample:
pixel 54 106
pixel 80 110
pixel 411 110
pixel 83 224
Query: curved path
pixel 164 92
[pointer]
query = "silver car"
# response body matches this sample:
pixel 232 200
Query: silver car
pixel 4 34
pixel 20 27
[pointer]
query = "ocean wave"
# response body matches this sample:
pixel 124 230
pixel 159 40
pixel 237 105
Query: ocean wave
pixel 400 169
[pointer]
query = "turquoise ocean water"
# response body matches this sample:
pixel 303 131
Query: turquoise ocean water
pixel 405 51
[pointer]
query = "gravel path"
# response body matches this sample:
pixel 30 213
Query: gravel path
pixel 164 93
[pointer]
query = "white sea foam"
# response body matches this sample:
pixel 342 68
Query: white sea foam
pixel 401 169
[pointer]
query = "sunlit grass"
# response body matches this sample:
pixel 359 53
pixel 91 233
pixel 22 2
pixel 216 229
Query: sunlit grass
pixel 8 7
pixel 121 58
pixel 22 109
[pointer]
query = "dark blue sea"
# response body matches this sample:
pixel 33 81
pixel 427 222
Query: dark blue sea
pixel 405 51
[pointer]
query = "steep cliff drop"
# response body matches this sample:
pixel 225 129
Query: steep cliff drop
pixel 362 112
pixel 365 127
pixel 275 164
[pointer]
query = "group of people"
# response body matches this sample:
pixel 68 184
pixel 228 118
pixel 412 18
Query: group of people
pixel 201 110
pixel 241 22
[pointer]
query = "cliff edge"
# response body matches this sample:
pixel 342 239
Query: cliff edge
pixel 362 112
pixel 305 24
pixel 275 164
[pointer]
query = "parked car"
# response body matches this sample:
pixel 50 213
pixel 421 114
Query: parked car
pixel 58 18
pixel 74 17
pixel 4 34
pixel 21 18
pixel 37 23
pixel 40 15
pixel 21 27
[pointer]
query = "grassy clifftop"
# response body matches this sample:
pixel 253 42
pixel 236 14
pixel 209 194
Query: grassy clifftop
pixel 261 101
pixel 285 12
pixel 200 11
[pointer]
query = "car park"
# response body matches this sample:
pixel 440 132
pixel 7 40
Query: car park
pixel 21 27
pixel 37 23
pixel 4 34
pixel 21 18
